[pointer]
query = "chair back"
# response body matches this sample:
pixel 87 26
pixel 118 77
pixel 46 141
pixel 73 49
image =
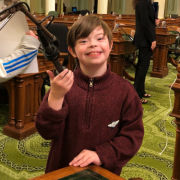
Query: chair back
pixel 54 13
pixel 60 31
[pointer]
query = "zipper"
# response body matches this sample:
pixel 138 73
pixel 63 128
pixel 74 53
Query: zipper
pixel 88 108
pixel 91 83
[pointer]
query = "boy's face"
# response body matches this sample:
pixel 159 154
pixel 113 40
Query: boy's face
pixel 92 50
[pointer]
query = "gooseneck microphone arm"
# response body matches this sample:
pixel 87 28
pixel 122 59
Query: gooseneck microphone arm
pixel 48 41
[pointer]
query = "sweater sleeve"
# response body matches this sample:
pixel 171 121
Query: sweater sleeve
pixel 50 122
pixel 18 60
pixel 143 10
pixel 118 151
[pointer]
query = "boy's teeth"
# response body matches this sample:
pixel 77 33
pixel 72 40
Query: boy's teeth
pixel 95 53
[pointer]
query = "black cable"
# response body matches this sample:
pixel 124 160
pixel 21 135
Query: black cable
pixel 45 19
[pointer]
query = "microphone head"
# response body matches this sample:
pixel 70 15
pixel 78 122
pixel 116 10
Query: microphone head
pixel 116 27
pixel 164 24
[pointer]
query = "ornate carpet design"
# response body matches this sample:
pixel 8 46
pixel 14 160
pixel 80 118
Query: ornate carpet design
pixel 25 159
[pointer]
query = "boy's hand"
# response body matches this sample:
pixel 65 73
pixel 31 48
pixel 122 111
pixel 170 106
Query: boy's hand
pixel 85 158
pixel 60 84
pixel 31 34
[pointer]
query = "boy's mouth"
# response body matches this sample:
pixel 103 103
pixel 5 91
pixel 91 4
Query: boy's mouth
pixel 94 53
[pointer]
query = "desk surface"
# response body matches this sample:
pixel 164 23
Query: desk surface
pixel 71 170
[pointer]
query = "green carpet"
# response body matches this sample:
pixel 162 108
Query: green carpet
pixel 21 160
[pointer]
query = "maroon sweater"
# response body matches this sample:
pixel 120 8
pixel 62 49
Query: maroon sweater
pixel 83 121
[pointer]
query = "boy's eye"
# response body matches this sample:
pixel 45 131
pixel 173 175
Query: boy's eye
pixel 101 38
pixel 84 41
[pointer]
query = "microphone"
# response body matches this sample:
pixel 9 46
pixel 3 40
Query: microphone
pixel 163 24
pixel 113 14
pixel 116 27
pixel 50 51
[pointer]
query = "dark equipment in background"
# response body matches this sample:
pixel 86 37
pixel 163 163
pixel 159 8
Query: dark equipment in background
pixel 74 9
pixel 84 12
pixel 173 15
pixel 95 6
pixel 156 9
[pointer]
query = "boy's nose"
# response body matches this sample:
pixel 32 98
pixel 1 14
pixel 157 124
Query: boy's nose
pixel 93 43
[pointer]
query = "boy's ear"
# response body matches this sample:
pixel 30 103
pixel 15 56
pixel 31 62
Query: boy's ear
pixel 72 52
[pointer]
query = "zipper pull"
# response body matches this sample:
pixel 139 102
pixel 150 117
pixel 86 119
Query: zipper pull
pixel 91 83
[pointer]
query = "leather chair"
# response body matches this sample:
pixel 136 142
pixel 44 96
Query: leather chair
pixel 60 31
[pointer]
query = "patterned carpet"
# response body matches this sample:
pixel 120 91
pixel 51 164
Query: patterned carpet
pixel 21 160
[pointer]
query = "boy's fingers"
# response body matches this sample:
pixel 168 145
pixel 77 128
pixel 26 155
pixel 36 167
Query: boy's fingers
pixel 62 74
pixel 69 80
pixel 81 161
pixel 51 75
pixel 67 76
pixel 86 163
pixel 76 159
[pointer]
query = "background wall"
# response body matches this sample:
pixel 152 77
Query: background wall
pixel 68 5
pixel 166 7
pixel 1 4
pixel 122 7
pixel 128 7
pixel 80 4
pixel 161 8
pixel 178 9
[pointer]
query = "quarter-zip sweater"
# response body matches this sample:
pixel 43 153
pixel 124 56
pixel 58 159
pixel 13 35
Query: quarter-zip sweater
pixel 90 110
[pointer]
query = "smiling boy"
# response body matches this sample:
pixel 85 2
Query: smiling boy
pixel 92 115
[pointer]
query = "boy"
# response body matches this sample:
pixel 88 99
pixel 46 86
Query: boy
pixel 92 116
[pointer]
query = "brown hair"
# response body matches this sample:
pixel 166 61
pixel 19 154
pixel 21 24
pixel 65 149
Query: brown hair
pixel 84 26
pixel 134 3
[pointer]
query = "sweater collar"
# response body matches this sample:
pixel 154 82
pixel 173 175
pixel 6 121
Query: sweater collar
pixel 99 82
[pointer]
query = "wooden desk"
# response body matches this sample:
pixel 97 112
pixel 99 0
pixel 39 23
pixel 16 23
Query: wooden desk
pixel 109 22
pixel 24 93
pixel 176 113
pixel 71 170
pixel 171 22
pixel 116 59
pixel 163 40
pixel 128 16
